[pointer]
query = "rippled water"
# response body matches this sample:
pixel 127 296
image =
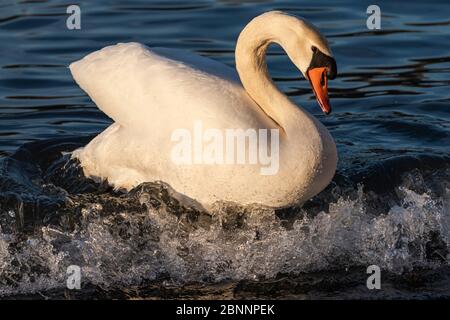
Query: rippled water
pixel 388 204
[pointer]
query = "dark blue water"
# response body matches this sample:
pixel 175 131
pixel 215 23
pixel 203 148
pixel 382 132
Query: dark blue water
pixel 388 204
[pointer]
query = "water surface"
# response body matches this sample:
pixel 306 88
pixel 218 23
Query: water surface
pixel 388 204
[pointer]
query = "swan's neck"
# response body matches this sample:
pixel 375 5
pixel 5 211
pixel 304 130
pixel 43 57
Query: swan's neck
pixel 251 65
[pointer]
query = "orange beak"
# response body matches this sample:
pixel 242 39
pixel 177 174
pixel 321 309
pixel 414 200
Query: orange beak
pixel 319 83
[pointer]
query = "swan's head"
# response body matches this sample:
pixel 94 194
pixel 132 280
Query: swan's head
pixel 309 51
pixel 304 44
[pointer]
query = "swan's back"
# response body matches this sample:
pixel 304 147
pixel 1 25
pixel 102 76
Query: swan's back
pixel 132 83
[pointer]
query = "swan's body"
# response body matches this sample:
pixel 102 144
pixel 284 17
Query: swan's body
pixel 150 93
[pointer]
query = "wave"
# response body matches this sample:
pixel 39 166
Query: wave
pixel 52 217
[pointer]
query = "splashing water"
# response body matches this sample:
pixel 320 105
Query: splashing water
pixel 148 235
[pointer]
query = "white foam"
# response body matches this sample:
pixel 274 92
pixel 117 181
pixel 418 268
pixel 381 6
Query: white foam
pixel 129 247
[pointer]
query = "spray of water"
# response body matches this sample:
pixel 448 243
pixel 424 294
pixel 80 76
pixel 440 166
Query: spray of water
pixel 159 238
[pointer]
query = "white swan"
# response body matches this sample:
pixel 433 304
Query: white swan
pixel 151 93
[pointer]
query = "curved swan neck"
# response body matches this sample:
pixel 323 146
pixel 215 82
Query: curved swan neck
pixel 251 64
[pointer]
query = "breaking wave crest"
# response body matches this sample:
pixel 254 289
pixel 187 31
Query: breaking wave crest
pixel 128 239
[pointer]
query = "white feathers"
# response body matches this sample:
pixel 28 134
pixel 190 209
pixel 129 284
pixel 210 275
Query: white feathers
pixel 150 93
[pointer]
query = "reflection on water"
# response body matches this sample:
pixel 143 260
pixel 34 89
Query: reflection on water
pixel 387 205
